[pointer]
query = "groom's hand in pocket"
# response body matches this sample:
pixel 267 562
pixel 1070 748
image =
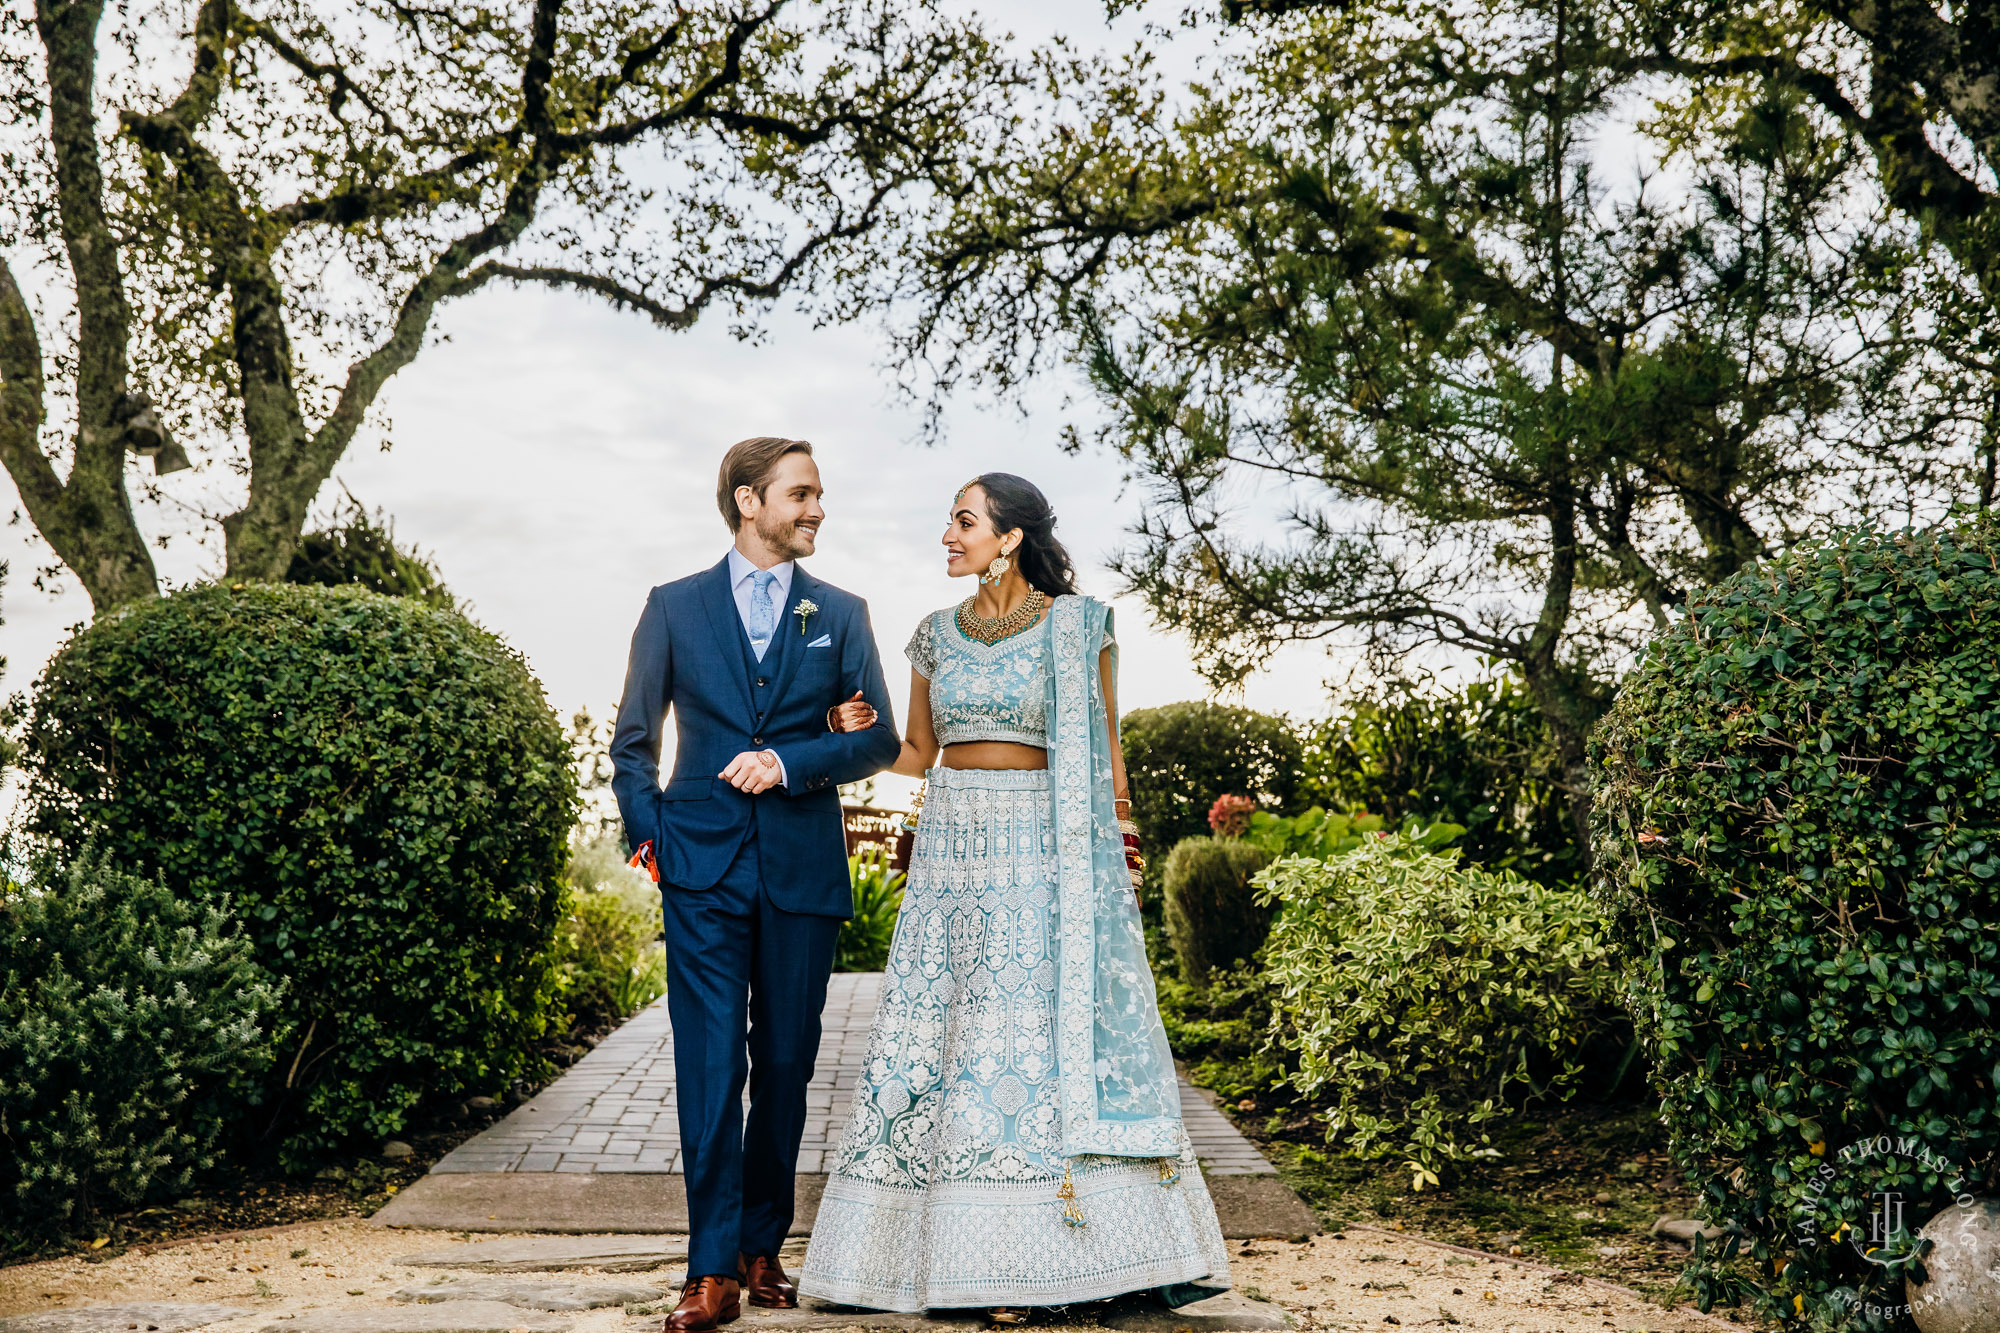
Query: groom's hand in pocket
pixel 753 771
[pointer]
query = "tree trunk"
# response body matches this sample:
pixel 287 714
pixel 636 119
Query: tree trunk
pixel 1570 707
pixel 87 517
pixel 1571 750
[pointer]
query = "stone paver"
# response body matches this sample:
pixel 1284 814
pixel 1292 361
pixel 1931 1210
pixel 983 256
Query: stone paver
pixel 146 1316
pixel 614 1111
pixel 547 1254
pixel 530 1295
pixel 450 1317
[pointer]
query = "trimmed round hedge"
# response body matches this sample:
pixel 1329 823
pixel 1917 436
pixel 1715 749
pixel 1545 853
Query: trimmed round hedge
pixel 379 790
pixel 1212 915
pixel 1798 819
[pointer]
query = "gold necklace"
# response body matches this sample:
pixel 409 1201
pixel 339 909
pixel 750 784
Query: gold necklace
pixel 975 626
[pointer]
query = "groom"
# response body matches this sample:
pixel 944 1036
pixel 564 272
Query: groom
pixel 746 842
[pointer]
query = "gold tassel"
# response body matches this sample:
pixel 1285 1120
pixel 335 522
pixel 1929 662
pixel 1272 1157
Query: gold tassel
pixel 1170 1171
pixel 916 810
pixel 1072 1214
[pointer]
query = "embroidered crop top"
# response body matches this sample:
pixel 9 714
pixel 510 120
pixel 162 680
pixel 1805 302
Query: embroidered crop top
pixel 984 691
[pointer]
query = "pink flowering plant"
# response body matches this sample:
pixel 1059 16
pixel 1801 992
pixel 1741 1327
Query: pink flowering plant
pixel 1230 816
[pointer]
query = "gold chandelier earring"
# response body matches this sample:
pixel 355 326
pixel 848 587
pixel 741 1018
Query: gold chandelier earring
pixel 998 569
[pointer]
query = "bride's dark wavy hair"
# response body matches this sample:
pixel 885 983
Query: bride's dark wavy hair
pixel 1015 502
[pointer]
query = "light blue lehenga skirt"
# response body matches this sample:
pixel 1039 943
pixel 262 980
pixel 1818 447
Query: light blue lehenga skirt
pixel 943 1191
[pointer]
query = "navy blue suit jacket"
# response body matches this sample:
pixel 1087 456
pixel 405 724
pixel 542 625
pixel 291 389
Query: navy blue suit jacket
pixel 690 654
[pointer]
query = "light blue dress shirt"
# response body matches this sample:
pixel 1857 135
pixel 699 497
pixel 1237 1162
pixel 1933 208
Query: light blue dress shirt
pixel 742 582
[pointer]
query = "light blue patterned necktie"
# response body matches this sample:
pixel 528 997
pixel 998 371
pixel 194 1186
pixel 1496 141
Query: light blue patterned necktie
pixel 763 609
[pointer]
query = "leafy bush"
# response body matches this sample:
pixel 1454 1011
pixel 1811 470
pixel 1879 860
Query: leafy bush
pixel 865 937
pixel 1180 757
pixel 361 549
pixel 380 787
pixel 1480 756
pixel 613 962
pixel 1223 1030
pixel 1416 991
pixel 133 1025
pixel 1798 820
pixel 1320 834
pixel 1213 917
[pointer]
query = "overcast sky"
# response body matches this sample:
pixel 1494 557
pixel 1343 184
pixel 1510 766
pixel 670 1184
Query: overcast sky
pixel 558 458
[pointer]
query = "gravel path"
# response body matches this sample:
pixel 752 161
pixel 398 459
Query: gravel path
pixel 1369 1279
pixel 1362 1279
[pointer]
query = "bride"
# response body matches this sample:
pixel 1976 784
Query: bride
pixel 1016 1137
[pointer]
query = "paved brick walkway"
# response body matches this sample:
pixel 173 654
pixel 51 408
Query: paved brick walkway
pixel 614 1110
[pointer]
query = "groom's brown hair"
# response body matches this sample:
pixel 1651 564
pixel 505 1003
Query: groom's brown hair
pixel 750 463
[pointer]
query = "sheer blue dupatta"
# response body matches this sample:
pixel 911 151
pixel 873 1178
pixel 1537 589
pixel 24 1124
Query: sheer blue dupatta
pixel 1120 1095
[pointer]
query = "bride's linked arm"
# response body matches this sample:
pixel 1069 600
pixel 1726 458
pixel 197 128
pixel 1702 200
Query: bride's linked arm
pixel 920 746
pixel 920 743
pixel 848 754
pixel 1121 787
pixel 1107 672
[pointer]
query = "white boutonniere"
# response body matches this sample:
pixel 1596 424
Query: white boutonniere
pixel 805 610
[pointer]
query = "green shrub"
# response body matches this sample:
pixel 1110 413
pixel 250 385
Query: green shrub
pixel 613 962
pixel 1479 755
pixel 133 1026
pixel 1798 820
pixel 1213 917
pixel 382 790
pixel 361 549
pixel 1180 757
pixel 1222 1030
pixel 1320 834
pixel 878 897
pixel 1415 992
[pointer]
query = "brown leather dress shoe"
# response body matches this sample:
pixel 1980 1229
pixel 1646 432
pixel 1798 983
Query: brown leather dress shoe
pixel 766 1282
pixel 705 1302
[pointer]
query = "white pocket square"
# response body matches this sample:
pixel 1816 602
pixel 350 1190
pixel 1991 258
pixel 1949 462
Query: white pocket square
pixel 823 641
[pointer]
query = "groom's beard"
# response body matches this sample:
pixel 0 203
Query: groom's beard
pixel 784 537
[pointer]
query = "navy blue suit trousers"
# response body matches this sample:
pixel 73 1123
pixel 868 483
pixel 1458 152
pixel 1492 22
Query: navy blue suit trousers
pixel 739 1174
